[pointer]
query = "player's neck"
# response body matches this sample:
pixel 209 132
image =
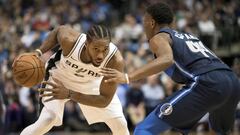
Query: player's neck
pixel 161 26
pixel 158 28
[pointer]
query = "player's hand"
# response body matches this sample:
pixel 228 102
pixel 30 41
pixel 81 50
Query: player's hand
pixel 24 54
pixel 58 91
pixel 29 53
pixel 113 75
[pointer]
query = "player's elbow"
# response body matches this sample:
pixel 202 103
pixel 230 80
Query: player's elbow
pixel 165 60
pixel 61 31
pixel 169 61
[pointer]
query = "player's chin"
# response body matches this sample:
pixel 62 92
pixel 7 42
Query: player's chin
pixel 97 64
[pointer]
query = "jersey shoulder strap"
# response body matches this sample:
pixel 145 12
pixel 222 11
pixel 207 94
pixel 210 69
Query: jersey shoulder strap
pixel 112 50
pixel 77 46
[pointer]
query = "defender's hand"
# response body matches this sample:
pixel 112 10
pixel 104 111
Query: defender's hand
pixel 113 75
pixel 58 91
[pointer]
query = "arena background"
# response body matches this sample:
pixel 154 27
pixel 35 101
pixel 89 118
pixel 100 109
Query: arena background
pixel 24 24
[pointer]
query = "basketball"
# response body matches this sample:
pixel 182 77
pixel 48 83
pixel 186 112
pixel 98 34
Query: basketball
pixel 28 70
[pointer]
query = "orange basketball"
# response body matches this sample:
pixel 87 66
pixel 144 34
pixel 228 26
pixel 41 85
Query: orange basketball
pixel 28 70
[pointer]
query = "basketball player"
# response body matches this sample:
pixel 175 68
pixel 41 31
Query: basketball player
pixel 73 74
pixel 210 85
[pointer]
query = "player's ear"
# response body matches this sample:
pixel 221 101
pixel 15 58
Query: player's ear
pixel 153 23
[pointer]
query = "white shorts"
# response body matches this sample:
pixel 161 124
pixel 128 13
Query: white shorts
pixel 92 114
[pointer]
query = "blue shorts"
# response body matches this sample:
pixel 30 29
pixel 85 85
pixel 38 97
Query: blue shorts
pixel 216 92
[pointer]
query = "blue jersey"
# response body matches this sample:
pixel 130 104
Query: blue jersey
pixel 191 57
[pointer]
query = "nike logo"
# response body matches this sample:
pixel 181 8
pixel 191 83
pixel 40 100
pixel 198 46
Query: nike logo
pixel 73 58
pixel 81 70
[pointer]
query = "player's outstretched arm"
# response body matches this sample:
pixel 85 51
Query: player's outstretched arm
pixel 107 90
pixel 160 46
pixel 63 35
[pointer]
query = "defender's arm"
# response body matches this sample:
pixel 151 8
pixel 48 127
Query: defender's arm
pixel 160 46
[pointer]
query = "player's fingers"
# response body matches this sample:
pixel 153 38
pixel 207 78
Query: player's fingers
pixel 107 69
pixel 107 73
pixel 50 83
pixel 46 95
pixel 109 76
pixel 35 89
pixel 23 54
pixel 14 63
pixel 57 81
pixel 31 53
pixel 46 89
pixel 16 59
pixel 50 99
pixel 110 80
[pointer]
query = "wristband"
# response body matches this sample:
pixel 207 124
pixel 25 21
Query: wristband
pixel 127 78
pixel 39 52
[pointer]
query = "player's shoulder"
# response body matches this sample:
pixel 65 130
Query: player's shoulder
pixel 161 38
pixel 67 37
pixel 68 33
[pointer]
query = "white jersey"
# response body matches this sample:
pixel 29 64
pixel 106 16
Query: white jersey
pixel 79 76
pixel 83 78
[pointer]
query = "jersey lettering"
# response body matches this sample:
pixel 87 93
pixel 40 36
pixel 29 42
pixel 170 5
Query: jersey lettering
pixel 197 47
pixel 80 72
pixel 178 35
pixel 189 36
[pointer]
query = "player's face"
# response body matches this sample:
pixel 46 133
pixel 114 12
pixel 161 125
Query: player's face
pixel 98 50
pixel 148 25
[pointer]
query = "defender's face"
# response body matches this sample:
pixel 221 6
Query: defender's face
pixel 148 25
pixel 98 50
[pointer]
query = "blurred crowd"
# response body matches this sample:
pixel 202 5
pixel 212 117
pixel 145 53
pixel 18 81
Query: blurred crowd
pixel 24 24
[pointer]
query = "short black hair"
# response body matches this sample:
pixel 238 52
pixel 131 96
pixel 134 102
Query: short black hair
pixel 98 32
pixel 161 13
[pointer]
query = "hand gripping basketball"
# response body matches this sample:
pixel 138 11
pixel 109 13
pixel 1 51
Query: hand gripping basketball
pixel 28 69
pixel 24 54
